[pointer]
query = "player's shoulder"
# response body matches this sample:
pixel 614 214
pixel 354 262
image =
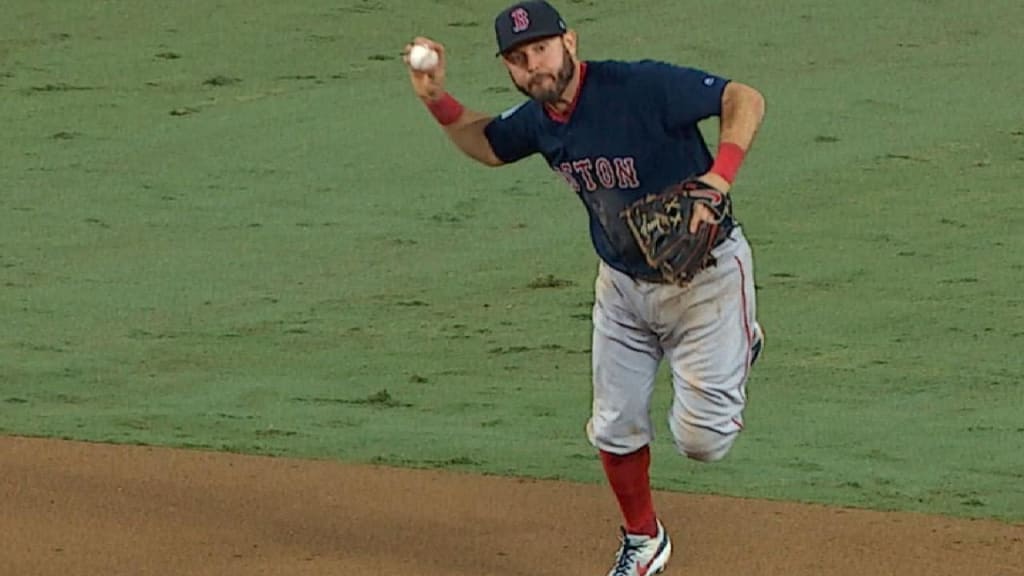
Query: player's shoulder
pixel 628 68
pixel 610 71
pixel 524 111
pixel 639 71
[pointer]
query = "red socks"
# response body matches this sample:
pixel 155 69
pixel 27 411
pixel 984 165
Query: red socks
pixel 628 476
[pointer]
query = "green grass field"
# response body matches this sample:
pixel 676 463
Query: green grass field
pixel 230 225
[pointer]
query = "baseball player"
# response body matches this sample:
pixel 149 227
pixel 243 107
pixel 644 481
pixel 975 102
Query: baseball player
pixel 675 279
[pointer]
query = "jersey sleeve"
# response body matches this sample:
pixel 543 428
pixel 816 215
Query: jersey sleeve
pixel 511 134
pixel 684 95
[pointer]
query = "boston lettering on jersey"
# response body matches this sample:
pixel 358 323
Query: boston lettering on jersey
pixel 589 173
pixel 632 130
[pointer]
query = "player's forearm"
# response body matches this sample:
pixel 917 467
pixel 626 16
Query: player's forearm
pixel 465 128
pixel 468 134
pixel 742 113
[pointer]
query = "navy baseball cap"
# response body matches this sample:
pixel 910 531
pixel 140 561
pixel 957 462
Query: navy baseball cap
pixel 527 21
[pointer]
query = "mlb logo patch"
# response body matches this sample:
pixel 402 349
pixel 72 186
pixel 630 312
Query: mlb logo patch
pixel 520 20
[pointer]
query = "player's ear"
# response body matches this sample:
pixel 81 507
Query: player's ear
pixel 569 41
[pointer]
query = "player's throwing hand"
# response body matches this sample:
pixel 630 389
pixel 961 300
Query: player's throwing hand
pixel 428 84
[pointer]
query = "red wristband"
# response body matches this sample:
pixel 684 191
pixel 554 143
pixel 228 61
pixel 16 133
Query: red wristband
pixel 727 163
pixel 446 109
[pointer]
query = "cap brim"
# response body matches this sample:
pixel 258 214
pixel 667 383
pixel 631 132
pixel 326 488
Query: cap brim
pixel 526 40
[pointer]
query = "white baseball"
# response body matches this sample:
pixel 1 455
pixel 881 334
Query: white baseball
pixel 422 58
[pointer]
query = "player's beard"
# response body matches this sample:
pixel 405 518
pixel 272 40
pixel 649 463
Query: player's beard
pixel 559 82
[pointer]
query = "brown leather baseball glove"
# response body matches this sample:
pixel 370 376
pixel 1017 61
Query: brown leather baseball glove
pixel 660 224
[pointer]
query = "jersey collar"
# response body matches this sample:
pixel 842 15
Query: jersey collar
pixel 564 118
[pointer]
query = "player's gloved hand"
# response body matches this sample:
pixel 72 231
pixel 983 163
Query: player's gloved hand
pixel 702 213
pixel 429 84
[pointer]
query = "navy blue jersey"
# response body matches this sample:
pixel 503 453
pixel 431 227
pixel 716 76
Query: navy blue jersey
pixel 632 131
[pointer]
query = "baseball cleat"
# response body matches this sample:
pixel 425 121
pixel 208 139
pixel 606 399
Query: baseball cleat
pixel 642 555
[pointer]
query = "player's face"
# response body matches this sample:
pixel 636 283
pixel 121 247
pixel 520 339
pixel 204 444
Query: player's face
pixel 542 70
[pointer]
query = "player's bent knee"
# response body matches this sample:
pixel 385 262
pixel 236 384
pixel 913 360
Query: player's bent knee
pixel 704 445
pixel 703 455
pixel 710 447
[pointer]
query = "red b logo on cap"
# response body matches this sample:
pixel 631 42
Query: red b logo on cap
pixel 520 20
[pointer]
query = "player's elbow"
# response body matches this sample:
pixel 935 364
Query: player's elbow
pixel 757 102
pixel 475 151
pixel 486 160
pixel 743 96
pixel 476 146
pixel 490 160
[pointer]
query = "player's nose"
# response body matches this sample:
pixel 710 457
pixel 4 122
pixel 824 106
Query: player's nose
pixel 532 62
